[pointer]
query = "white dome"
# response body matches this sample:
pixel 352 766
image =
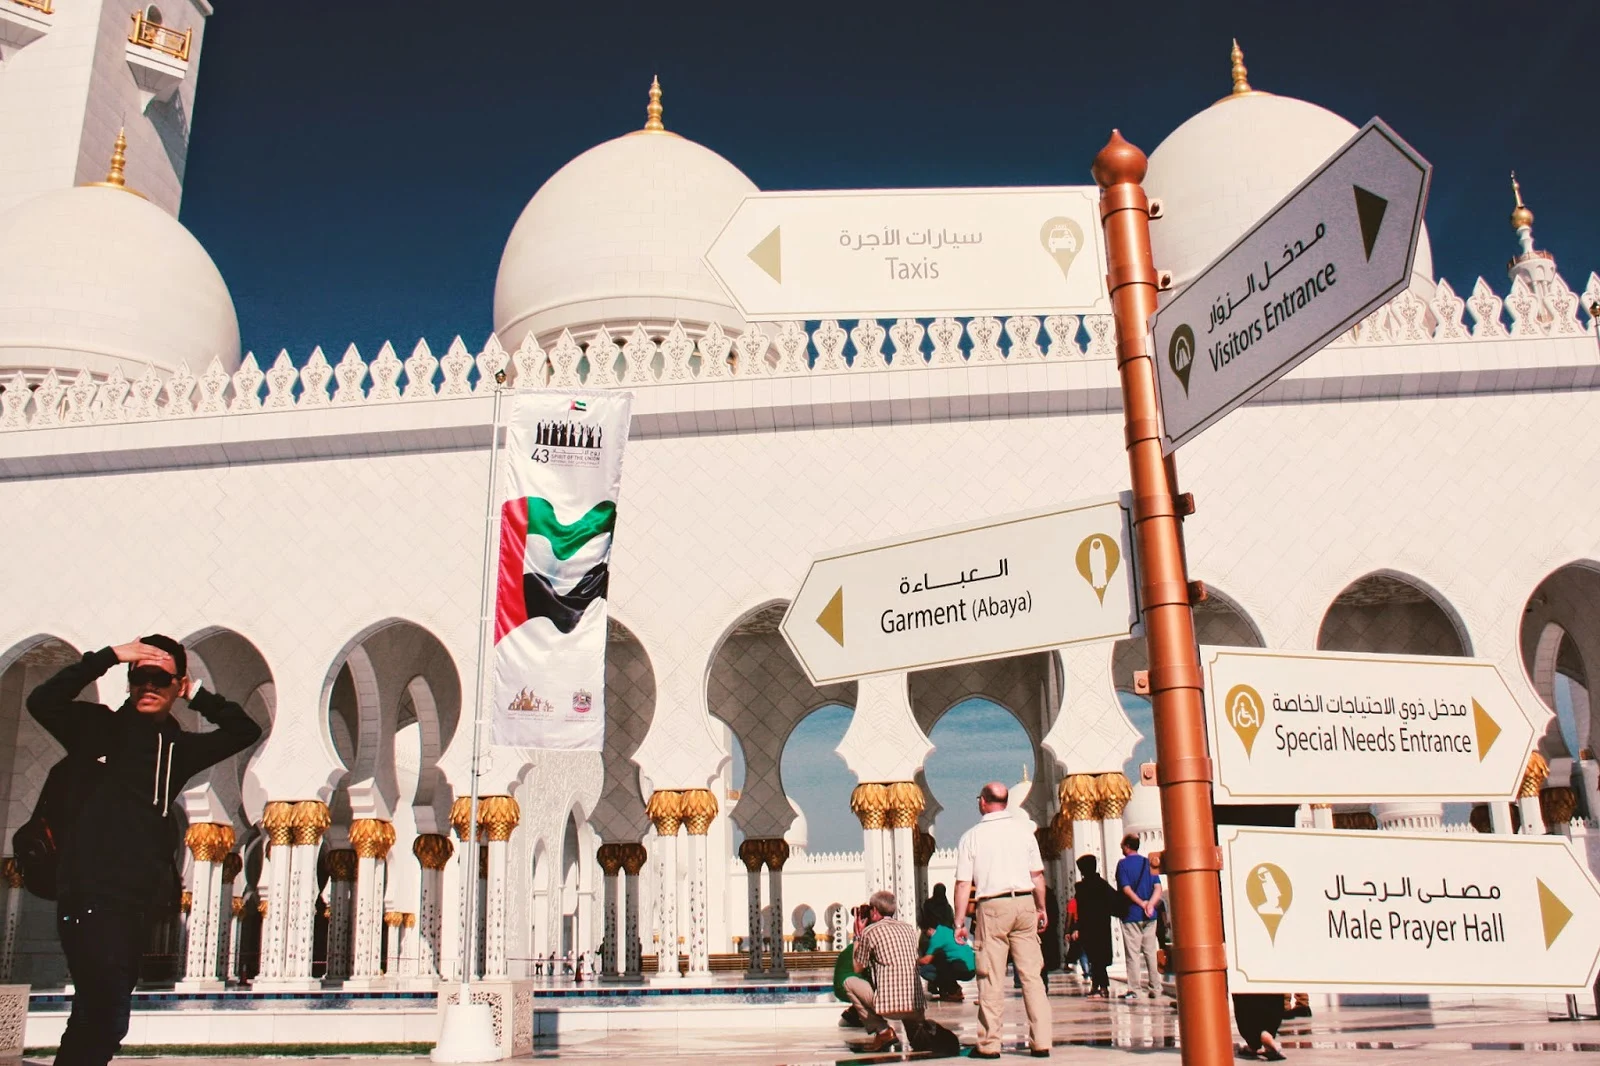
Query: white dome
pixel 1143 812
pixel 617 236
pixel 97 277
pixel 1223 169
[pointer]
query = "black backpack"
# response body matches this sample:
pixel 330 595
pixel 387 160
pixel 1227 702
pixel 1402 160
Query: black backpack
pixel 37 844
pixel 929 1037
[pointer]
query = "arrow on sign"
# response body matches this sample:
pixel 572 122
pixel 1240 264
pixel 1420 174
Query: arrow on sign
pixel 832 617
pixel 1486 728
pixel 1369 212
pixel 1553 914
pixel 768 255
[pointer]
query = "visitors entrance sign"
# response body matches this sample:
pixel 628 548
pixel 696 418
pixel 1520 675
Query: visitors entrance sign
pixel 1001 586
pixel 1332 252
pixel 1354 911
pixel 893 253
pixel 1291 727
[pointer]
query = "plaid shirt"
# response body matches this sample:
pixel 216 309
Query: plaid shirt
pixel 889 947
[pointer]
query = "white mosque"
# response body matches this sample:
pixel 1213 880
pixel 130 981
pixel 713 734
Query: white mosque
pixel 1424 485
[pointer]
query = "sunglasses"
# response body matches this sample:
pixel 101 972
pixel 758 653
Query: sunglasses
pixel 153 676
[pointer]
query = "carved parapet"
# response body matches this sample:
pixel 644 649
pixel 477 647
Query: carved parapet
pixel 209 841
pixel 1533 779
pixel 371 837
pixel 232 866
pixel 609 856
pixel 498 816
pixel 922 847
pixel 12 871
pixel 342 865
pixel 278 822
pixel 432 850
pixel 666 811
pixel 1080 796
pixel 1557 804
pixel 698 808
pixel 1114 792
pixel 906 803
pixel 309 820
pixel 1049 850
pixel 870 802
pixel 634 858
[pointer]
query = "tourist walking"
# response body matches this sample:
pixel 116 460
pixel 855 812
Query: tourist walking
pixel 1259 1014
pixel 886 948
pixel 1141 891
pixel 1095 900
pixel 998 864
pixel 116 868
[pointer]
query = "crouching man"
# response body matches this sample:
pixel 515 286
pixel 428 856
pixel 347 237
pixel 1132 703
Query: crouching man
pixel 117 864
pixel 887 948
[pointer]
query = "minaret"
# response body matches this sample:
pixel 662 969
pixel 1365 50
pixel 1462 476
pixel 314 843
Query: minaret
pixel 1536 267
pixel 79 70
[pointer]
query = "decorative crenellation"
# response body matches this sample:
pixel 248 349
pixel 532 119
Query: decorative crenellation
pixel 209 841
pixel 870 802
pixel 371 837
pixel 308 821
pixel 1534 777
pixel 432 850
pixel 1114 792
pixel 658 354
pixel 1080 797
pixel 698 809
pixel 906 804
pixel 665 810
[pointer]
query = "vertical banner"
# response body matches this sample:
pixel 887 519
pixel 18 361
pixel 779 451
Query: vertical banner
pixel 563 470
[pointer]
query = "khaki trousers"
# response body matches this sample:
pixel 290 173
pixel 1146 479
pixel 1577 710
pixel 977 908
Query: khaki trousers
pixel 1139 946
pixel 1010 926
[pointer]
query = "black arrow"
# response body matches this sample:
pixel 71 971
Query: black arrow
pixel 1370 208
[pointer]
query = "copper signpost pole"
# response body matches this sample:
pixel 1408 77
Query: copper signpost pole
pixel 1189 859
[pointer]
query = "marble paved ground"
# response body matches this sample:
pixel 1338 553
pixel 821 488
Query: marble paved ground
pixel 1110 1033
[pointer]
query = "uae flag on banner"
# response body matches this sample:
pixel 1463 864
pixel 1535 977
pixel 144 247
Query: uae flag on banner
pixel 563 469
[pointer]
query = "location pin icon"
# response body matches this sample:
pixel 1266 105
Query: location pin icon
pixel 1097 558
pixel 1245 713
pixel 1061 237
pixel 1268 889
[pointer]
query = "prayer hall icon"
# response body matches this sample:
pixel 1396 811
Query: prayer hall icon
pixel 1097 558
pixel 1269 891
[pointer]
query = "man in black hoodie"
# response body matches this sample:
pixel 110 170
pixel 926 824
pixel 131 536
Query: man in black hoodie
pixel 118 861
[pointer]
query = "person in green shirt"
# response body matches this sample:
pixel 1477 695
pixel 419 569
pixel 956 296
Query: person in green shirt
pixel 845 966
pixel 946 963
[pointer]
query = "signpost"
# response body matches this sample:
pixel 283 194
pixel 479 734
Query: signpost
pixel 1286 727
pixel 893 253
pixel 1334 250
pixel 1001 586
pixel 1335 911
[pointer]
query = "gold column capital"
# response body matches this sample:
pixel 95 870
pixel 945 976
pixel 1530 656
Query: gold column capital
pixel 342 865
pixel 699 809
pixel 11 870
pixel 308 821
pixel 432 850
pixel 278 821
pixel 1534 777
pixel 1080 795
pixel 634 857
pixel 498 816
pixel 209 841
pixel 905 804
pixel 371 837
pixel 870 802
pixel 665 809
pixel 1114 792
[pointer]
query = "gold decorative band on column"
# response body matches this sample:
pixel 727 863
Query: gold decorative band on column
pixel 634 857
pixel 1114 791
pixel 922 846
pixel 870 802
pixel 371 837
pixel 209 841
pixel 394 919
pixel 1533 780
pixel 498 816
pixel 776 852
pixel 186 901
pixel 238 906
pixel 278 822
pixel 460 812
pixel 432 850
pixel 752 853
pixel 666 811
pixel 408 920
pixel 1080 795
pixel 906 803
pixel 232 866
pixel 11 870
pixel 342 865
pixel 1322 806
pixel 609 856
pixel 1355 820
pixel 261 907
pixel 1049 850
pixel 309 821
pixel 1061 826
pixel 698 809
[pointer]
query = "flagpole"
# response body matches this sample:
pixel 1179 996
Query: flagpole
pixel 467 1030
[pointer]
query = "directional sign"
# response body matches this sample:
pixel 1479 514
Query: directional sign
pixel 1002 586
pixel 892 253
pixel 1354 911
pixel 1292 727
pixel 1333 251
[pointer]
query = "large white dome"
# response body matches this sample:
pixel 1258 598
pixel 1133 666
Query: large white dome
pixel 1223 169
pixel 617 236
pixel 97 277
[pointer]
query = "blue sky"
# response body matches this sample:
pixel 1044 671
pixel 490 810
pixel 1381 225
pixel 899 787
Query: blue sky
pixel 354 169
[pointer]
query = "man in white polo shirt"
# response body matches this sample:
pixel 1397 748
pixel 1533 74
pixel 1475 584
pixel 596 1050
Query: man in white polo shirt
pixel 998 864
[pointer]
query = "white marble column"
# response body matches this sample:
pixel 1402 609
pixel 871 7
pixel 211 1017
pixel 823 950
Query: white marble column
pixel 209 843
pixel 8 940
pixel 1114 790
pixel 870 802
pixel 1533 780
pixel 906 803
pixel 310 821
pixel 634 858
pixel 433 853
pixel 699 809
pixel 227 907
pixel 609 856
pixel 341 913
pixel 1322 816
pixel 752 852
pixel 498 817
pixel 777 855
pixel 371 838
pixel 1080 798
pixel 279 862
pixel 235 933
pixel 665 810
pixel 393 921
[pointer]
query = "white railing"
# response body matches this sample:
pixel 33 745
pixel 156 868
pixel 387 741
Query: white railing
pixel 685 357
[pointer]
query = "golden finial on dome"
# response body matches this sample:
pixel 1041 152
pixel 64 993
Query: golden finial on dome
pixel 1520 215
pixel 116 177
pixel 1241 75
pixel 652 120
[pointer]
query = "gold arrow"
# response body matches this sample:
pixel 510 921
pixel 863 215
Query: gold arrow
pixel 832 617
pixel 1488 729
pixel 768 255
pixel 1553 914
